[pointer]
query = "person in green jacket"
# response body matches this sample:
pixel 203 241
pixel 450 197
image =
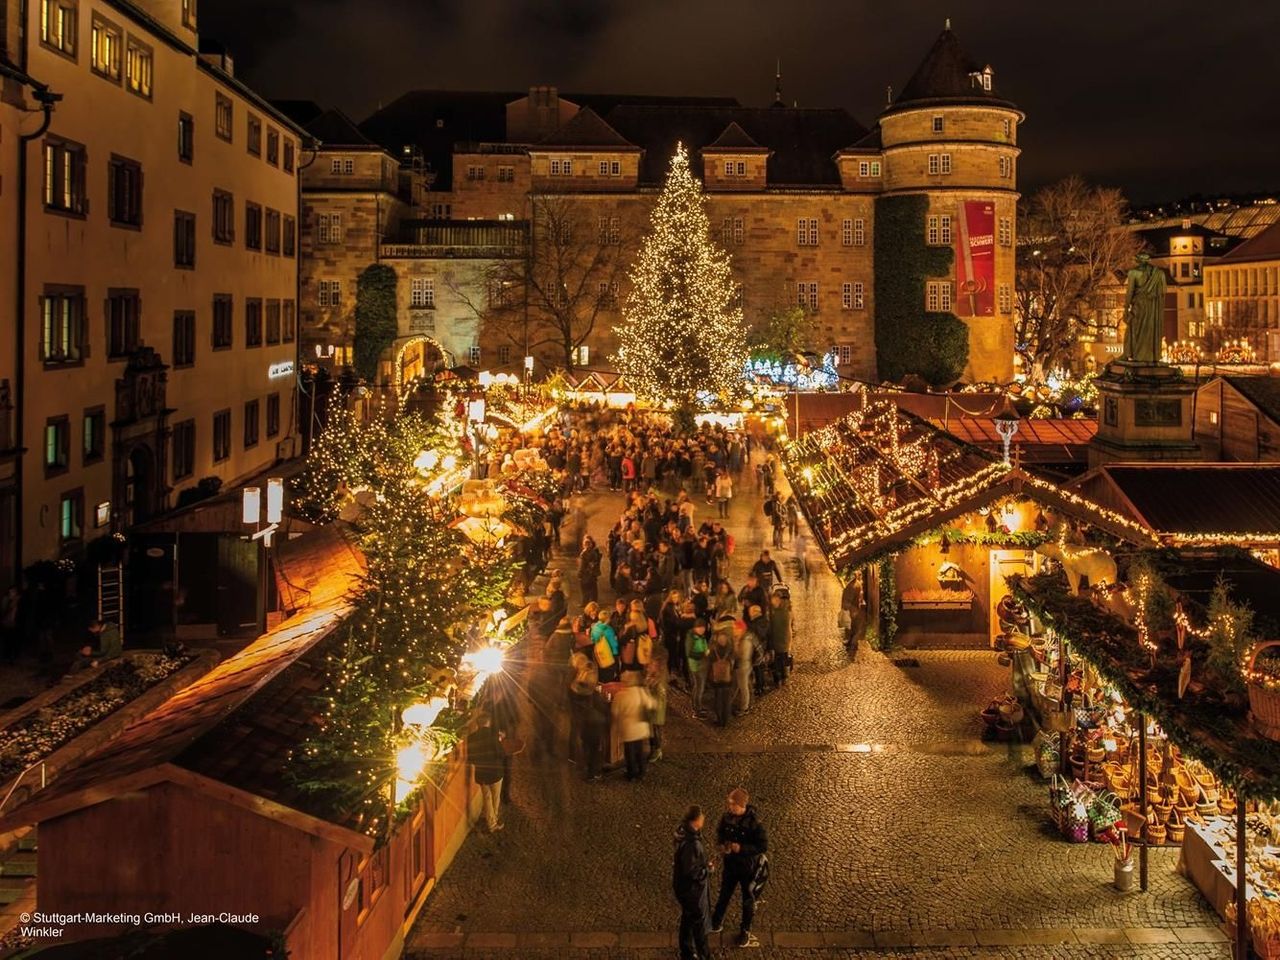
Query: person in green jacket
pixel 780 637
pixel 696 645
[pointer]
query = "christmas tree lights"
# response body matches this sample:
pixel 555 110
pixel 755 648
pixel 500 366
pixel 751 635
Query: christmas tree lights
pixel 682 332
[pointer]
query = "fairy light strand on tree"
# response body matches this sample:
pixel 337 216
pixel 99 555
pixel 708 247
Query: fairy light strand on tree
pixel 682 334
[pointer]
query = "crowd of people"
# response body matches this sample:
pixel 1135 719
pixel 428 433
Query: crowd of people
pixel 675 622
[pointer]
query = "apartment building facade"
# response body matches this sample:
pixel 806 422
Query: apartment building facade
pixel 160 267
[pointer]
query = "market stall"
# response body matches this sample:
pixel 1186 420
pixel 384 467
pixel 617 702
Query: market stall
pixel 937 524
pixel 1175 655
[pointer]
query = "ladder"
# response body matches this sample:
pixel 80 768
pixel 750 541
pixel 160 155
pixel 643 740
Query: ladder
pixel 111 595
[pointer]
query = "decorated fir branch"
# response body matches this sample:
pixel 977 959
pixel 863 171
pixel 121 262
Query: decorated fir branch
pixel 682 334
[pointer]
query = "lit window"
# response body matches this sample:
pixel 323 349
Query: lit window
pixel 57 445
pixel 138 66
pixel 71 515
pixel 224 113
pixel 58 25
pixel 108 42
pixel 62 325
pixel 64 173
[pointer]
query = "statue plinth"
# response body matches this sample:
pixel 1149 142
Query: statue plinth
pixel 1144 413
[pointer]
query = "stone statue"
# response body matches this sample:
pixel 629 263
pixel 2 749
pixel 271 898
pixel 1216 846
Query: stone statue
pixel 1144 312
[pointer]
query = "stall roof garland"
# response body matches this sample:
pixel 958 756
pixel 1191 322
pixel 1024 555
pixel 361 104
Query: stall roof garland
pixel 1207 725
pixel 880 476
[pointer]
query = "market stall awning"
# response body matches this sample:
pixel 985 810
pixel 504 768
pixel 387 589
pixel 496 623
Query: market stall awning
pixel 1193 504
pixel 1209 723
pixel 879 477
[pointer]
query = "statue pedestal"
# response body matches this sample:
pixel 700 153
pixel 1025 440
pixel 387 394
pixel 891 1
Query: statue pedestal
pixel 1144 413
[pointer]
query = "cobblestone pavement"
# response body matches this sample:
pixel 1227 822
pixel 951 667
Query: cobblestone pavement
pixel 893 830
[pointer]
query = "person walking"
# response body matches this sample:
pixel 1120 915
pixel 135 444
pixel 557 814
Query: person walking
pixel 742 841
pixel 484 750
pixel 691 883
pixel 780 635
pixel 589 570
pixel 656 680
pixel 696 647
pixel 745 644
pixel 631 707
pixel 720 663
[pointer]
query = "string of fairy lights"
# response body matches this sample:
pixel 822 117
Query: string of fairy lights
pixel 682 335
pixel 431 619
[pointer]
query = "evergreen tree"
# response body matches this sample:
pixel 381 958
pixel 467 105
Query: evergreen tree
pixel 682 332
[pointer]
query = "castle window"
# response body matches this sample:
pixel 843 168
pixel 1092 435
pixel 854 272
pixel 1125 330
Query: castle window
pixel 422 292
pixel 1005 297
pixel 731 230
pixel 859 232
pixel 1008 129
pixel 937 124
pixel 859 295
pixel 844 354
pixel 937 296
pixel 1006 167
pixel 1006 232
pixel 846 232
pixel 807 295
pixel 939 230
pixel 807 231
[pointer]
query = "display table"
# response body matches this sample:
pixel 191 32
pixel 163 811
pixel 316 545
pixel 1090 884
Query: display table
pixel 1208 858
pixel 1205 864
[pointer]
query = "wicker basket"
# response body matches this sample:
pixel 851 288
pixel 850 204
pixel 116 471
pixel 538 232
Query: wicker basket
pixel 1156 834
pixel 1264 702
pixel 1176 828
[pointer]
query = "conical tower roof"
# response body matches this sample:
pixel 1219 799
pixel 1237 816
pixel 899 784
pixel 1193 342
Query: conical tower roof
pixel 948 76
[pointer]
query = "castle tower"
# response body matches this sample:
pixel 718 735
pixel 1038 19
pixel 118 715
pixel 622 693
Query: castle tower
pixel 949 136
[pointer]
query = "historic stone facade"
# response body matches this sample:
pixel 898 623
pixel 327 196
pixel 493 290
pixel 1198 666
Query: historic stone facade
pixel 792 195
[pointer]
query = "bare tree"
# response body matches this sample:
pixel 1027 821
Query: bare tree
pixel 551 299
pixel 1073 249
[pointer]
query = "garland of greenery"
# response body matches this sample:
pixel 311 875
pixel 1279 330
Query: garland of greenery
pixel 910 340
pixel 403 642
pixel 375 317
pixel 1211 726
pixel 888 604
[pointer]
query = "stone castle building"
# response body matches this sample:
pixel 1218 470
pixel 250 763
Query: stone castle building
pixel 509 217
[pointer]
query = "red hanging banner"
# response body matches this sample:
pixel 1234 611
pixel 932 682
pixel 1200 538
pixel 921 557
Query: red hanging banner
pixel 976 260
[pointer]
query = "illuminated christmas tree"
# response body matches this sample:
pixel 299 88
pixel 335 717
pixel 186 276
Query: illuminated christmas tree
pixel 682 332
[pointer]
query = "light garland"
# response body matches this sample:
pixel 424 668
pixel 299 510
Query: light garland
pixel 681 332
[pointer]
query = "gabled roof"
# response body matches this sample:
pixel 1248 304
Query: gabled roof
pixel 1194 503
pixel 586 129
pixel 802 141
pixel 180 739
pixel 1037 441
pixel 876 479
pixel 1263 246
pixel 946 77
pixel 335 129
pixel 1262 392
pixel 734 138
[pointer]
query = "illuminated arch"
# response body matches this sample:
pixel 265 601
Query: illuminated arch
pixel 402 348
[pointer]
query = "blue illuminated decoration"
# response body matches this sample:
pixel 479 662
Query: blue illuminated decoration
pixel 796 376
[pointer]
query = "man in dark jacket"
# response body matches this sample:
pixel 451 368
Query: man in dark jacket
pixel 484 750
pixel 690 879
pixel 742 841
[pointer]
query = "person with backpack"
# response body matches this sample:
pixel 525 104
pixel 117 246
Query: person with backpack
pixel 743 843
pixel 720 674
pixel 696 647
pixel 691 883
pixel 604 646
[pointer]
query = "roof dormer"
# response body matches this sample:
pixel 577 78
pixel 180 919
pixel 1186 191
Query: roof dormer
pixel 734 161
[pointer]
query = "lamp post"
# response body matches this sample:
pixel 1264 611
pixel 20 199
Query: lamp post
pixel 252 514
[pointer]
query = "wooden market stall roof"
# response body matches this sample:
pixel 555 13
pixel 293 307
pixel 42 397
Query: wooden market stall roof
pixel 877 478
pixel 165 744
pixel 1037 441
pixel 1206 723
pixel 1192 504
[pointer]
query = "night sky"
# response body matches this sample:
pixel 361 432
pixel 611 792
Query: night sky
pixel 1163 100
